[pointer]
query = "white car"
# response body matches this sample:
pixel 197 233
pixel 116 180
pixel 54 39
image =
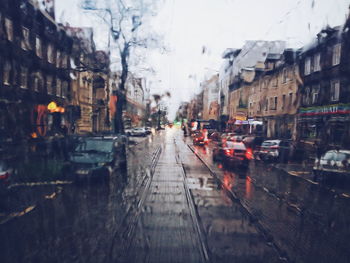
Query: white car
pixel 333 162
pixel 138 132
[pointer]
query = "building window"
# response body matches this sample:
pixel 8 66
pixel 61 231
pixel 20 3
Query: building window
pixel 273 104
pixel 307 95
pixel 64 89
pixel 275 81
pixel 64 60
pixel 290 99
pixel 38 48
pixel 284 75
pixel 58 59
pixel 317 62
pixel 266 104
pixel 283 101
pixel 336 54
pixel 9 29
pixel 6 73
pixel 259 107
pixel 14 74
pixel 50 53
pixel 37 82
pixel 307 69
pixel 335 90
pixel 25 43
pixel 315 92
pixel 49 85
pixel 266 83
pixel 24 78
pixel 58 87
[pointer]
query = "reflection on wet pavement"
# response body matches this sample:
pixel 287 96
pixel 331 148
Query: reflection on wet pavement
pixel 179 213
pixel 230 234
pixel 306 221
pixel 80 223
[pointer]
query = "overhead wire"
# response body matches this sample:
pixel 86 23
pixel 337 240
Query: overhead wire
pixel 280 21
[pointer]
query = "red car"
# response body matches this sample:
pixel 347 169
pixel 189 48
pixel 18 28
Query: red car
pixel 200 138
pixel 233 153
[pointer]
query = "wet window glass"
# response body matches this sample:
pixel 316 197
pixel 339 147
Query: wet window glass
pixel 329 156
pixel 95 145
pixel 175 131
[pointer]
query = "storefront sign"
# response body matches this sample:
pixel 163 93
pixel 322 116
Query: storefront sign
pixel 325 110
pixel 240 118
pixel 241 122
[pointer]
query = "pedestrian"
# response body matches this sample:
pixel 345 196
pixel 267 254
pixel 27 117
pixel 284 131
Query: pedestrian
pixel 185 130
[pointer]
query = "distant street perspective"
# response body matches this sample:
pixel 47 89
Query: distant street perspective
pixel 174 131
pixel 173 203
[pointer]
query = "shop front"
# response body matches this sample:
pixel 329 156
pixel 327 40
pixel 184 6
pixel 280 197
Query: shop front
pixel 329 125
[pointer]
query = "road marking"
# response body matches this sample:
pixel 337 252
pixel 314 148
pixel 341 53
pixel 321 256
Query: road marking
pixel 40 183
pixel 18 214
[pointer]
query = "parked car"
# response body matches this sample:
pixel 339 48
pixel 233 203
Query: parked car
pixel 6 173
pixel 253 142
pixel 233 153
pixel 148 130
pixel 128 131
pixel 275 150
pixel 236 138
pixel 226 137
pixel 200 138
pixel 138 132
pixel 333 162
pixel 96 157
pixel 215 136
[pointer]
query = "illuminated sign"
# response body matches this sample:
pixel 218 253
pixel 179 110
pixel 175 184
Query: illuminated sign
pixel 325 110
pixel 52 107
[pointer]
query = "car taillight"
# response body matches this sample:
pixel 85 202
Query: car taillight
pixel 249 154
pixel 4 176
pixel 229 152
pixel 274 147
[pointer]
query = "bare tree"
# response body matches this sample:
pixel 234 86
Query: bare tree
pixel 157 99
pixel 125 19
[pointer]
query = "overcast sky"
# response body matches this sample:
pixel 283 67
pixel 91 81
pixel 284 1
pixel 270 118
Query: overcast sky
pixel 188 26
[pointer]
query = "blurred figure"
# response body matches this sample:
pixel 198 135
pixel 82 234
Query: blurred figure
pixel 184 128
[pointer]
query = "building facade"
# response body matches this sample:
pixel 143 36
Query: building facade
pixel 34 66
pixel 273 96
pixel 210 98
pixel 325 96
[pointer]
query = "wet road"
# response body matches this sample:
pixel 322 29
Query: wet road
pixel 168 207
pixel 306 221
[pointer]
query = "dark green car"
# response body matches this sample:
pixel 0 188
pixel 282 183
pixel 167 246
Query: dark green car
pixel 95 158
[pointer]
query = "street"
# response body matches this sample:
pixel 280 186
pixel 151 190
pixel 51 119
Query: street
pixel 171 206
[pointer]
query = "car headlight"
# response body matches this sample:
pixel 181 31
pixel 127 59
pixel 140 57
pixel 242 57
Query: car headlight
pixel 101 164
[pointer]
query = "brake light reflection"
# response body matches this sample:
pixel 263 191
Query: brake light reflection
pixel 228 181
pixel 248 187
pixel 229 152
pixel 5 176
pixel 249 154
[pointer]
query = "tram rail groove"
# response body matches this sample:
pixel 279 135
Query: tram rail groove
pixel 132 225
pixel 194 214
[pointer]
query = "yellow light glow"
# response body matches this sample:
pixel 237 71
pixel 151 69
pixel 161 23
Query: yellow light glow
pixel 52 106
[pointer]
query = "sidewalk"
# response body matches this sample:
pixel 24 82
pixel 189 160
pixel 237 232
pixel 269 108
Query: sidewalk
pixel 296 169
